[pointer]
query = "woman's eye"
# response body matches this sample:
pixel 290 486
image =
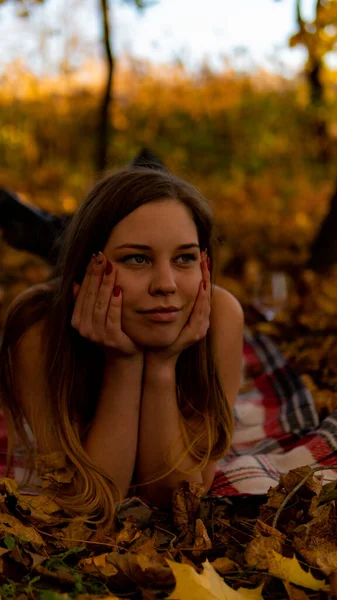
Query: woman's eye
pixel 190 257
pixel 139 258
pixel 134 256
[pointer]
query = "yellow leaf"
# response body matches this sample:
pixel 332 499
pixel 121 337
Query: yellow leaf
pixel 290 570
pixel 206 586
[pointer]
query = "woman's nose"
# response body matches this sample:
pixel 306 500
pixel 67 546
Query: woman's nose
pixel 163 279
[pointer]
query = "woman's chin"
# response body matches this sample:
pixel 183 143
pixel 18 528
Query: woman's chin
pixel 155 338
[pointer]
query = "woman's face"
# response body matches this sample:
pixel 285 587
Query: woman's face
pixel 162 274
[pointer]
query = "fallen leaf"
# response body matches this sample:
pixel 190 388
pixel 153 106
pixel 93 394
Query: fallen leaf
pixel 206 586
pixel 224 565
pixel 59 575
pixel 202 542
pixel 316 540
pixel 313 485
pixel 143 569
pixel 290 570
pixel 258 551
pixel 8 486
pixel 11 526
pixel 186 503
pixel 128 533
pixel 98 565
pixel 77 531
pixel 53 468
pixel 41 509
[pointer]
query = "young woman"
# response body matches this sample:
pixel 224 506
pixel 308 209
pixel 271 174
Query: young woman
pixel 127 365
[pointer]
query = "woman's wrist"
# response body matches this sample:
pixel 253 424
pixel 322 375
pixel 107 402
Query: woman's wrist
pixel 160 358
pixel 113 357
pixel 158 367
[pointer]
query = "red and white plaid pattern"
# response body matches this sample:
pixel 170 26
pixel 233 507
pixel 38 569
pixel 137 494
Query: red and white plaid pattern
pixel 277 428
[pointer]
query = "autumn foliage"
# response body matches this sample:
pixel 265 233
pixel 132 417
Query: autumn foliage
pixel 246 142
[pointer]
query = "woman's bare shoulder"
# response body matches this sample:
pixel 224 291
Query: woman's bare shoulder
pixel 27 317
pixel 225 305
pixel 30 344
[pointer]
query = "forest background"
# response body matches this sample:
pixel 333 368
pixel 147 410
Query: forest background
pixel 261 146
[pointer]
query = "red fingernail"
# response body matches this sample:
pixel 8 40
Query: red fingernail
pixel 204 283
pixel 117 291
pixel 209 263
pixel 99 258
pixel 108 268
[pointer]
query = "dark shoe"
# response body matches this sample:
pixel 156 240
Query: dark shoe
pixel 27 228
pixel 146 158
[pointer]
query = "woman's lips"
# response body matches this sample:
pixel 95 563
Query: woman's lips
pixel 162 317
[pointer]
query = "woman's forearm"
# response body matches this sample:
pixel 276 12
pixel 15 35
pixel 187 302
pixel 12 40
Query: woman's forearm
pixel 112 438
pixel 159 426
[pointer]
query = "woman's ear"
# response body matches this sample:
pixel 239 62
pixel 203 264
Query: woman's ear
pixel 76 289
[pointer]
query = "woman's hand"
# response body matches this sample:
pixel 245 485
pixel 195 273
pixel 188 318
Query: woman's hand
pixel 98 307
pixel 196 326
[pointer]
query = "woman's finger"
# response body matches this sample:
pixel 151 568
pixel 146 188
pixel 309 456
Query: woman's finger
pixel 76 289
pixel 102 306
pixel 113 321
pixel 96 276
pixel 77 312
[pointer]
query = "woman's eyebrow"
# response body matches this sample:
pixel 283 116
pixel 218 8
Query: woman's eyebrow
pixel 143 247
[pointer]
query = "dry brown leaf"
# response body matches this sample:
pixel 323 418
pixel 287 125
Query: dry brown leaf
pixel 202 541
pixel 98 565
pixel 261 528
pixel 53 468
pixel 325 400
pixel 77 531
pixel 40 503
pixel 143 569
pixel 59 575
pixel 186 503
pixel 42 509
pixel 312 486
pixel 316 540
pixel 224 565
pixel 10 525
pixel 36 559
pixel 129 533
pixel 275 497
pixel 257 552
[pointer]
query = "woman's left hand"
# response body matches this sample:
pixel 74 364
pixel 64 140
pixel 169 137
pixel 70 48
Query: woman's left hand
pixel 196 326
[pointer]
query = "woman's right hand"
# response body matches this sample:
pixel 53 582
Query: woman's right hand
pixel 97 311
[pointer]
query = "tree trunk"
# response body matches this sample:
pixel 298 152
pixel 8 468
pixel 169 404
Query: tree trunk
pixel 104 119
pixel 324 246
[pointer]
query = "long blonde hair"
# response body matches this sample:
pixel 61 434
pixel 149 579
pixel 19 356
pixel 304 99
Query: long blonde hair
pixel 73 394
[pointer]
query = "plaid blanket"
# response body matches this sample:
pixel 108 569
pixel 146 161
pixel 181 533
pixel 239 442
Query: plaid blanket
pixel 277 427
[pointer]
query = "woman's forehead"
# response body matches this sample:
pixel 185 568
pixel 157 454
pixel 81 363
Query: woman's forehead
pixel 154 223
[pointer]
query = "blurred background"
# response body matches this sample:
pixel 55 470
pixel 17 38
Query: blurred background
pixel 237 96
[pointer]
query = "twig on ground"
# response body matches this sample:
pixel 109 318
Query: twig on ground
pixel 296 488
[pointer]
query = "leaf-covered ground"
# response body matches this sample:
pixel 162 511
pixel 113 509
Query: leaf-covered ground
pixel 283 545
